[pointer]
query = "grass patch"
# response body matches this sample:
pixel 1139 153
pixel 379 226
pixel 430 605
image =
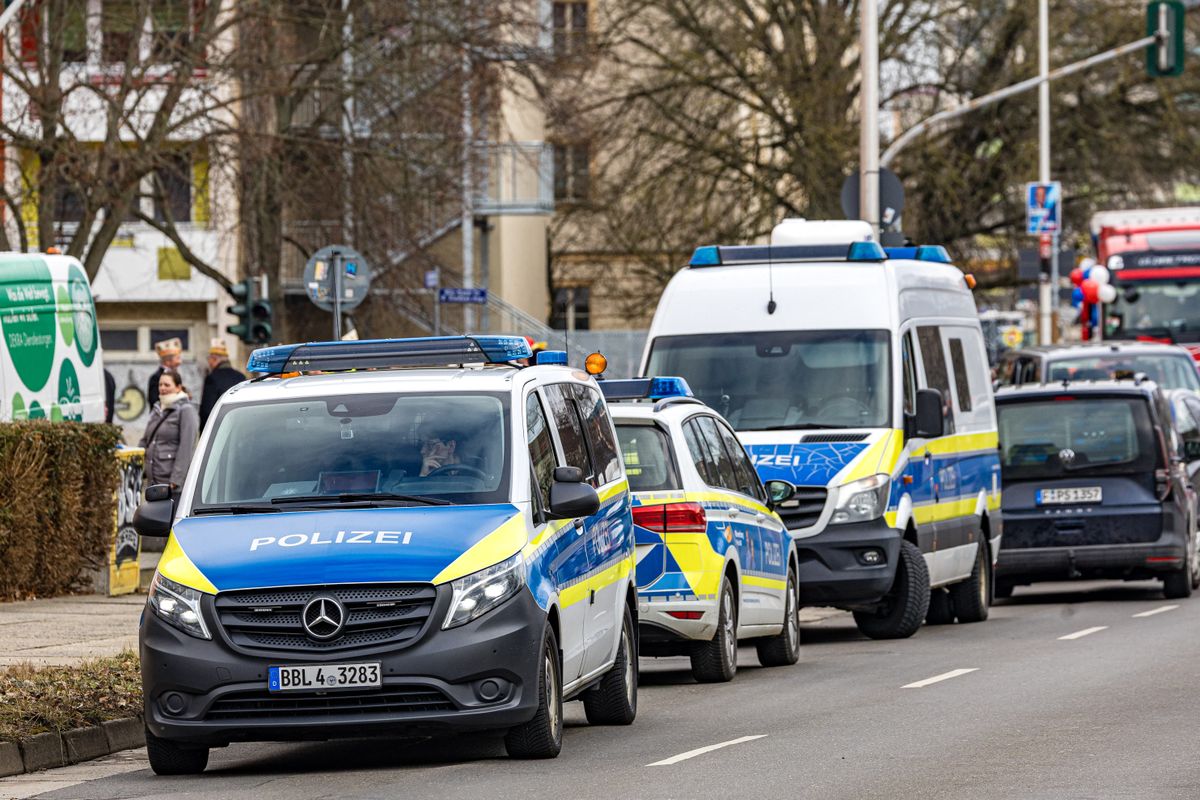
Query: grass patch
pixel 40 699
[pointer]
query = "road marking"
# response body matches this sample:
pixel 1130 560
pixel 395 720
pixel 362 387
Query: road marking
pixel 699 751
pixel 945 676
pixel 1154 611
pixel 1083 633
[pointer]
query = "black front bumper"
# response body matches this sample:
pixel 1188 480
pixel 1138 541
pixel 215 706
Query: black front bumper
pixel 831 573
pixel 435 684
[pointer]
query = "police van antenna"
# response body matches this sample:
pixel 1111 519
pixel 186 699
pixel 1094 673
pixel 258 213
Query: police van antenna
pixel 771 305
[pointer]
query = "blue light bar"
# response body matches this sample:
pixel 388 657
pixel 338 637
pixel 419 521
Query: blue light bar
pixel 927 252
pixel 551 357
pixel 866 251
pixel 432 351
pixel 712 256
pixel 709 256
pixel 645 389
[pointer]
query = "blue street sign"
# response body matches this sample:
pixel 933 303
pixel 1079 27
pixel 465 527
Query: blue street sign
pixel 458 295
pixel 1042 204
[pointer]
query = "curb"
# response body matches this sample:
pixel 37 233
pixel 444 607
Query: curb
pixel 48 750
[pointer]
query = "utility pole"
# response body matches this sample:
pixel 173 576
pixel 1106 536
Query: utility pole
pixel 1047 283
pixel 468 200
pixel 869 134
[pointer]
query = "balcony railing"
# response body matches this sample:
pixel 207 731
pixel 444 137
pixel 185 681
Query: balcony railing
pixel 515 178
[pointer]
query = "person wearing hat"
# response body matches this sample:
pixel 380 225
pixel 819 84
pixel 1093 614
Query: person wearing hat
pixel 170 356
pixel 221 378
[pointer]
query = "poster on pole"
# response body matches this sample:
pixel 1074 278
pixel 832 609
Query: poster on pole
pixel 1043 202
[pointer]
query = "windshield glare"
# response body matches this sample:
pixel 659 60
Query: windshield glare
pixel 1157 309
pixel 1168 371
pixel 448 447
pixel 1056 438
pixel 781 379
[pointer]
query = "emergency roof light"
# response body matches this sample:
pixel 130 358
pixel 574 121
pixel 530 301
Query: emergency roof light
pixel 433 351
pixel 926 252
pixel 719 256
pixel 645 389
pixel 543 357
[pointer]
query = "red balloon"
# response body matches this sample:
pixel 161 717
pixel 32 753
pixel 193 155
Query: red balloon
pixel 1091 291
pixel 1077 276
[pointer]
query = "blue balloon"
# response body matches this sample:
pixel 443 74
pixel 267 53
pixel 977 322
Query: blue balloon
pixel 1087 273
pixel 1076 297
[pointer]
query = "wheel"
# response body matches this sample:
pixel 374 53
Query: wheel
pixel 972 597
pixel 168 758
pixel 716 661
pixel 541 737
pixel 900 614
pixel 784 650
pixel 613 701
pixel 1195 565
pixel 941 609
pixel 1178 585
pixel 1002 589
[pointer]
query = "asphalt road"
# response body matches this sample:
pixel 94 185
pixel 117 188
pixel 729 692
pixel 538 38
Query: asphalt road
pixel 1110 713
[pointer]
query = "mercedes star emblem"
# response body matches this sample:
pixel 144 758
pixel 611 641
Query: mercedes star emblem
pixel 323 618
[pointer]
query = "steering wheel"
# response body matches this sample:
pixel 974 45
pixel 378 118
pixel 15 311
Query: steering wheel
pixel 845 408
pixel 456 470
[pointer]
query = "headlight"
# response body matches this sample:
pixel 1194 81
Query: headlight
pixel 482 591
pixel 178 605
pixel 862 500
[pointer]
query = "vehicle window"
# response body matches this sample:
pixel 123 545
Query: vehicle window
pixel 1056 438
pixel 702 457
pixel 1169 371
pixel 775 380
pixel 1156 309
pixel 569 425
pixel 910 374
pixel 710 436
pixel 646 451
pixel 449 446
pixel 1193 407
pixel 962 386
pixel 747 479
pixel 933 359
pixel 598 425
pixel 1028 370
pixel 541 448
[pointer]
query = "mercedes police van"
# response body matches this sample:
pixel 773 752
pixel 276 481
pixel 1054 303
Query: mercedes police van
pixel 393 536
pixel 860 376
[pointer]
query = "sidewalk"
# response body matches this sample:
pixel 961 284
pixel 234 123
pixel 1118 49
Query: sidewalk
pixel 67 630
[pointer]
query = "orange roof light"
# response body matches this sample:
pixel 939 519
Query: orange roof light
pixel 53 251
pixel 970 279
pixel 595 364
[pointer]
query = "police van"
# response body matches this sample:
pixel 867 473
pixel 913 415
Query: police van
pixel 859 375
pixel 393 536
pixel 715 563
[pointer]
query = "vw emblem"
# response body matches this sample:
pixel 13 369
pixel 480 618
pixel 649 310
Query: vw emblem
pixel 1066 455
pixel 323 617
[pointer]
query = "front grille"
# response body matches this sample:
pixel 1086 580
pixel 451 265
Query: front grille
pixel 811 438
pixel 269 619
pixel 804 508
pixel 388 700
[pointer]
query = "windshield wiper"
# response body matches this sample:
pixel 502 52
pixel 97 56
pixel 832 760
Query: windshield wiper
pixel 804 426
pixel 236 508
pixel 383 498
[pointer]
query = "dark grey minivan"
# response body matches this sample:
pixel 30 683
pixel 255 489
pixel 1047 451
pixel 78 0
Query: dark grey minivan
pixel 1094 487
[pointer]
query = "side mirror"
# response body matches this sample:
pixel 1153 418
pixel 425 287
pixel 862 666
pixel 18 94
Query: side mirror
pixel 153 517
pixel 928 421
pixel 778 492
pixel 1191 449
pixel 572 499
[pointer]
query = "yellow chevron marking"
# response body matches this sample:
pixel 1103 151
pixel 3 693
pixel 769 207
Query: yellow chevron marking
pixel 502 543
pixel 594 583
pixel 768 583
pixel 176 566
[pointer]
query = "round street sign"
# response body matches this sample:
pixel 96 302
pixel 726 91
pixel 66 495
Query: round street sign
pixel 1013 336
pixel 321 277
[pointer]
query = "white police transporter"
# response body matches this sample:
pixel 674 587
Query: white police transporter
pixel 715 563
pixel 415 536
pixel 860 376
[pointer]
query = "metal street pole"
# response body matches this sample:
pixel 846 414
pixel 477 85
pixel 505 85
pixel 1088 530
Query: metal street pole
pixel 868 57
pixel 468 201
pixel 1046 283
pixel 336 264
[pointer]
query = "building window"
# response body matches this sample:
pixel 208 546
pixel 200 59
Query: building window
pixel 119 339
pixel 170 29
pixel 572 172
pixel 571 308
pixel 570 22
pixel 120 31
pixel 174 181
pixel 167 24
pixel 75 32
pixel 68 204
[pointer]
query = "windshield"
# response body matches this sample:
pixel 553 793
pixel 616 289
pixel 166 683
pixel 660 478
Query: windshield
pixel 1175 371
pixel 1167 310
pixel 785 379
pixel 1075 436
pixel 433 448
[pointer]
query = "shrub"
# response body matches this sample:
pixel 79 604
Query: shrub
pixel 35 700
pixel 57 505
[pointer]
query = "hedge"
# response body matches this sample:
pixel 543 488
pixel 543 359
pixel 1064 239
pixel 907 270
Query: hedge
pixel 57 505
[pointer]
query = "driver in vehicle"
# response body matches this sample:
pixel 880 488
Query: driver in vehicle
pixel 438 450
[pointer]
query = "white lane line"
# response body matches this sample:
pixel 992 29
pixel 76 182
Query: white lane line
pixel 945 676
pixel 1154 611
pixel 699 751
pixel 1082 633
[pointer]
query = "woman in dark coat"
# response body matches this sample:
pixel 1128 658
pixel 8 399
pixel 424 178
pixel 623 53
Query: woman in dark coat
pixel 170 437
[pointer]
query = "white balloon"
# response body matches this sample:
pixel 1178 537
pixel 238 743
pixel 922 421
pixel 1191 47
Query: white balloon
pixel 1108 293
pixel 1087 262
pixel 1099 275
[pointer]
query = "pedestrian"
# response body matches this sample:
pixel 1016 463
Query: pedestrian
pixel 221 378
pixel 110 396
pixel 170 356
pixel 170 437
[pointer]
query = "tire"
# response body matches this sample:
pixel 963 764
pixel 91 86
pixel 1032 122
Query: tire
pixel 941 609
pixel 784 650
pixel 900 614
pixel 541 737
pixel 613 701
pixel 716 661
pixel 972 598
pixel 168 758
pixel 1178 585
pixel 1195 565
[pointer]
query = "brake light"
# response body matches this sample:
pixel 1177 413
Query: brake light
pixel 1163 559
pixel 672 518
pixel 685 614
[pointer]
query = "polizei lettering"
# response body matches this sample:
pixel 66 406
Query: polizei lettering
pixel 341 537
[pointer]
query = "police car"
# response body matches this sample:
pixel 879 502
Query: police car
pixel 392 536
pixel 715 563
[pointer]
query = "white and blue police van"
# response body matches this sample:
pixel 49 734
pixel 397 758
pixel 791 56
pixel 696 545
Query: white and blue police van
pixel 393 536
pixel 859 375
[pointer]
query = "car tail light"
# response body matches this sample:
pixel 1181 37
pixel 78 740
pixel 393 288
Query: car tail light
pixel 685 614
pixel 672 518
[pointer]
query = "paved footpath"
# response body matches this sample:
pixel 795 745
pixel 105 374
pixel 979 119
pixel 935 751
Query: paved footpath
pixel 67 630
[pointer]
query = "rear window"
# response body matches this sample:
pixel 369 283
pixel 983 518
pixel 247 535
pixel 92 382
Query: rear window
pixel 1168 371
pixel 647 455
pixel 1076 436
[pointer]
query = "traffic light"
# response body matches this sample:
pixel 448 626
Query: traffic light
pixel 1164 19
pixel 243 293
pixel 260 321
